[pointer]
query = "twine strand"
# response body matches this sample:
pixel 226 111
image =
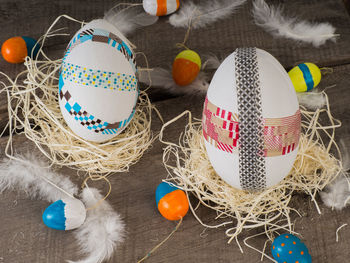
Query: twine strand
pixel 161 243
pixel 187 34
pixel 337 232
pixel 326 70
pixel 96 178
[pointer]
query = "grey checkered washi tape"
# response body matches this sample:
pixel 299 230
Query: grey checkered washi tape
pixel 252 169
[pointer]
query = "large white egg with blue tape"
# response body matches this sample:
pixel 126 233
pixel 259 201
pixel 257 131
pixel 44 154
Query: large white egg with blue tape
pixel 251 120
pixel 98 89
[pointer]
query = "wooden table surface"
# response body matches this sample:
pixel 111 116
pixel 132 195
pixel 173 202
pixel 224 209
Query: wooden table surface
pixel 23 237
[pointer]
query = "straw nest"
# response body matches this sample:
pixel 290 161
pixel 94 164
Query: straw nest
pixel 238 210
pixel 34 111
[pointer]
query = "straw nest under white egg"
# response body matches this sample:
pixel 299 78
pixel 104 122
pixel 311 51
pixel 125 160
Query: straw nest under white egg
pixel 35 112
pixel 189 168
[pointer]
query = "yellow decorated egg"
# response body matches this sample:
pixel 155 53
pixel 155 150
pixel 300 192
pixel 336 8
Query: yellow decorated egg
pixel 186 67
pixel 305 76
pixel 98 89
pixel 160 7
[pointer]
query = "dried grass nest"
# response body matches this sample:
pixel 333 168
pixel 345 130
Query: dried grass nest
pixel 34 111
pixel 189 168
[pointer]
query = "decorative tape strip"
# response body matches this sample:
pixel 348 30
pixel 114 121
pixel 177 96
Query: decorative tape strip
pixel 223 114
pixel 252 168
pixel 103 36
pixel 214 131
pixel 219 144
pixel 88 120
pixel 98 78
pixel 307 76
pixel 281 135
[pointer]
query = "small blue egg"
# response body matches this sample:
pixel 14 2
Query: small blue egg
pixel 65 214
pixel 32 47
pixel 163 189
pixel 287 248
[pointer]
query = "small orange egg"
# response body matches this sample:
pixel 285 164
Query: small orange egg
pixel 171 201
pixel 15 49
pixel 186 67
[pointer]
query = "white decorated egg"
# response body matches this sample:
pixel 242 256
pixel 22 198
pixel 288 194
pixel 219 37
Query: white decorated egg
pixel 98 89
pixel 251 120
pixel 160 7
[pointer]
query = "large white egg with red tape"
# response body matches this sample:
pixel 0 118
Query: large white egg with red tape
pixel 251 120
pixel 98 89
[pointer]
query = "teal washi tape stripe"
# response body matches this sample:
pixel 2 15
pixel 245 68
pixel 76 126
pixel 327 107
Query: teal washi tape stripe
pixel 307 76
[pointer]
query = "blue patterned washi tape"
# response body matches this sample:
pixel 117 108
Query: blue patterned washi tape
pixel 103 36
pixel 98 78
pixel 85 118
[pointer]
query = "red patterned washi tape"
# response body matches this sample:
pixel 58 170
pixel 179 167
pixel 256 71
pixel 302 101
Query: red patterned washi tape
pixel 221 129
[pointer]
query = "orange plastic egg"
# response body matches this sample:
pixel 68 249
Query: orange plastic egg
pixel 186 67
pixel 171 201
pixel 15 49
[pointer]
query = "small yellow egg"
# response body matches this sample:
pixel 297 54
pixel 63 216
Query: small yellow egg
pixel 305 77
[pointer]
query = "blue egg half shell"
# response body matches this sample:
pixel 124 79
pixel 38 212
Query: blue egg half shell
pixel 65 214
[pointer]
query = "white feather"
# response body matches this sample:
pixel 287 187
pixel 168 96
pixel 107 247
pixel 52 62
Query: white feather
pixel 312 100
pixel 272 20
pixel 159 77
pixel 211 62
pixel 204 13
pixel 337 194
pixel 129 19
pixel 102 231
pixel 345 155
pixel 28 174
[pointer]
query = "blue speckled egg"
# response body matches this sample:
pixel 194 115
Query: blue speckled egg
pixel 287 248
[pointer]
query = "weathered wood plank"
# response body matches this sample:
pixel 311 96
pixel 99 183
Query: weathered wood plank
pixel 33 18
pixel 25 239
pixel 347 5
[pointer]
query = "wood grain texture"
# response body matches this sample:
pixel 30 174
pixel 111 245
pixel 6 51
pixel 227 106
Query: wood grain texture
pixel 347 5
pixel 220 38
pixel 25 239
